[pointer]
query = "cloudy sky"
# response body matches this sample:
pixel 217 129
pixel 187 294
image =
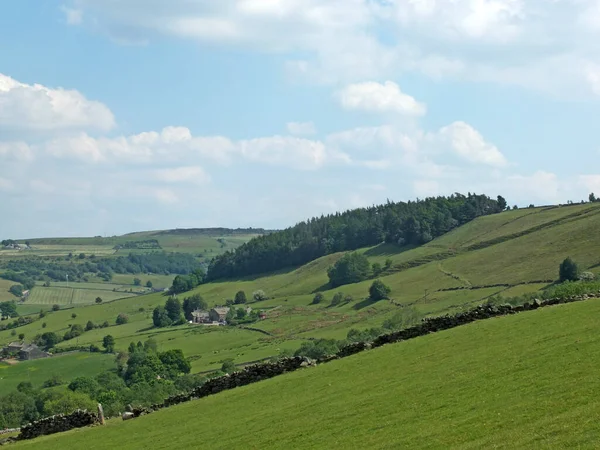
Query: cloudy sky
pixel 125 115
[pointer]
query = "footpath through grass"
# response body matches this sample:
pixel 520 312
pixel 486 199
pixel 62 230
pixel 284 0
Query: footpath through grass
pixel 524 381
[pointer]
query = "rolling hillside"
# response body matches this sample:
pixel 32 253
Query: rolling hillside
pixel 524 381
pixel 506 254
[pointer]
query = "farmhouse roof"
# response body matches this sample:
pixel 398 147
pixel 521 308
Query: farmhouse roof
pixel 29 347
pixel 221 310
pixel 200 313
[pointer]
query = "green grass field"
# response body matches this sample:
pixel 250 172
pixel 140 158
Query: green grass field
pixel 528 246
pixel 67 367
pixel 6 296
pixel 72 296
pixel 158 281
pixel 525 381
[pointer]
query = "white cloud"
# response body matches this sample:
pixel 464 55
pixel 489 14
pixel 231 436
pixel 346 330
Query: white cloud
pixel 301 128
pixel 166 196
pixel 190 174
pixel 492 20
pixel 591 183
pixel 375 97
pixel 470 145
pixel 39 108
pixel 502 41
pixel 172 144
pixel 409 146
pixel 15 151
pixel 73 16
pixel 290 151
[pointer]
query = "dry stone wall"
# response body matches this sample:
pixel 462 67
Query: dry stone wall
pixel 248 375
pixel 58 424
pixel 258 372
pixel 262 371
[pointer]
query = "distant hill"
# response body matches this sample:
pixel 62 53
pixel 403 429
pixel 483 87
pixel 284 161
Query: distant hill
pixel 218 231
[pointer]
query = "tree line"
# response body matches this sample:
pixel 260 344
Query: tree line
pixel 27 270
pixel 403 223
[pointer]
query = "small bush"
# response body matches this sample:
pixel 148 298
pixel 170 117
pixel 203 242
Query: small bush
pixel 379 291
pixel 122 319
pixel 73 316
pixel 376 269
pixel 259 296
pixel 54 381
pixel 319 298
pixel 568 270
pixel 337 299
pixel 55 307
pixel 587 276
pixel 228 366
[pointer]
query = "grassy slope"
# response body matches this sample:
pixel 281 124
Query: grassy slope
pixel 66 366
pixel 291 318
pixel 525 381
pixel 6 296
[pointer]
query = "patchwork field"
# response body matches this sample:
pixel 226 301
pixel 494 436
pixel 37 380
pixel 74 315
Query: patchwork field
pixel 461 388
pixel 202 243
pixel 506 254
pixel 66 367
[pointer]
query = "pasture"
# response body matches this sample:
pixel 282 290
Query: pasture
pixel 66 367
pixel 6 296
pixel 72 296
pixel 524 381
pixel 518 250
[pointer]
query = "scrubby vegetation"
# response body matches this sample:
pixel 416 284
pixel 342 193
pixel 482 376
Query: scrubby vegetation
pixel 143 376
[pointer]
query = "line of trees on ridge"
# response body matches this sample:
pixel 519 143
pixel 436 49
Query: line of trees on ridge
pixel 403 223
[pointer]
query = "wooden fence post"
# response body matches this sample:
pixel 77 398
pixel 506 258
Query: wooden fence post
pixel 101 414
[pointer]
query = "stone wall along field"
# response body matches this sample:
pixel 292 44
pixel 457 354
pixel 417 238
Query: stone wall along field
pixel 58 424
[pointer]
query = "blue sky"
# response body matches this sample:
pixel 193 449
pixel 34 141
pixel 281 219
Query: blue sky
pixel 117 116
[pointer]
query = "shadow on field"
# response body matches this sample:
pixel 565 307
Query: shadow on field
pixel 322 288
pixel 364 303
pixel 255 277
pixel 388 250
